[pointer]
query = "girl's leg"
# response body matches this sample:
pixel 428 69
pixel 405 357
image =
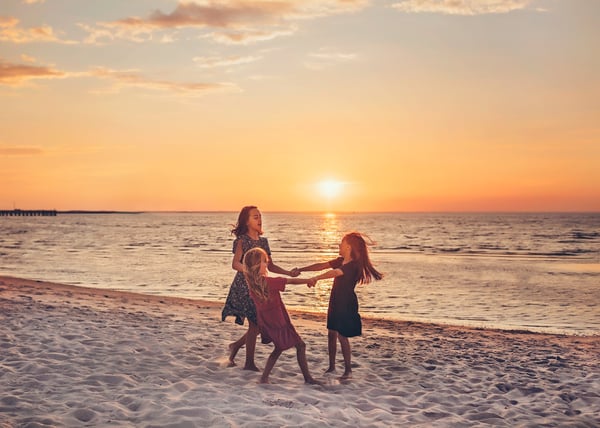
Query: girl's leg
pixel 347 353
pixel 251 346
pixel 270 364
pixel 301 355
pixel 332 348
pixel 234 347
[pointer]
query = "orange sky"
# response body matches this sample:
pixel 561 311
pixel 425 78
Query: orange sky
pixel 412 105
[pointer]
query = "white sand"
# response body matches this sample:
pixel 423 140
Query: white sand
pixel 72 356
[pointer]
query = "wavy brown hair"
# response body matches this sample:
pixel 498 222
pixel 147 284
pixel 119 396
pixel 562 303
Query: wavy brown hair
pixel 257 283
pixel 360 253
pixel 241 227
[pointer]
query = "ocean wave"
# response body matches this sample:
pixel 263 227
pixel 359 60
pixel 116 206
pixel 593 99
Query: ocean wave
pixel 581 235
pixel 562 253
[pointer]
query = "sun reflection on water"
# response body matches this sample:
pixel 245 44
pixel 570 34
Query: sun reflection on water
pixel 330 234
pixel 329 228
pixel 320 296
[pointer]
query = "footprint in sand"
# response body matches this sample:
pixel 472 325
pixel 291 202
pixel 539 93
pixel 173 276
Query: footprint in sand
pixel 84 415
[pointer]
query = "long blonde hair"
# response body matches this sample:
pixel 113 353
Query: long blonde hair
pixel 257 283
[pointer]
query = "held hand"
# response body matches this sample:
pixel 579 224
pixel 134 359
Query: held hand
pixel 294 272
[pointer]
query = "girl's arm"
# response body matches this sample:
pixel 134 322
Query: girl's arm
pixel 236 264
pixel 310 281
pixel 314 267
pixel 329 274
pixel 313 281
pixel 273 268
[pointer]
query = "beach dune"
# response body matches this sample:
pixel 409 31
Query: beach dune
pixel 75 356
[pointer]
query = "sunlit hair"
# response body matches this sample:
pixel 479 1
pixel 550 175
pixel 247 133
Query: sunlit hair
pixel 360 253
pixel 241 228
pixel 257 283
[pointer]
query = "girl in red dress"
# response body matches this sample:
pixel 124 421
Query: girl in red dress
pixel 343 320
pixel 273 320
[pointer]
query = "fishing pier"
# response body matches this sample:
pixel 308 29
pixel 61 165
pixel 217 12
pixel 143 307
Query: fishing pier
pixel 27 213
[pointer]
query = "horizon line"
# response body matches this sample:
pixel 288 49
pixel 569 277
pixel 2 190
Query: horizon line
pixel 104 211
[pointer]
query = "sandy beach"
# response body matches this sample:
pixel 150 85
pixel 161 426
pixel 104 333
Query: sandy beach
pixel 74 356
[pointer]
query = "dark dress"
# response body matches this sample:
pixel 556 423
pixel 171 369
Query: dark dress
pixel 342 314
pixel 273 320
pixel 239 303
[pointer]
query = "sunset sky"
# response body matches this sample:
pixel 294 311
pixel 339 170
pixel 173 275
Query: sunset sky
pixel 392 105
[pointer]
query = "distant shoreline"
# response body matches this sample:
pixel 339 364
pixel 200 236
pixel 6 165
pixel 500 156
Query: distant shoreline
pixel 52 213
pixel 99 212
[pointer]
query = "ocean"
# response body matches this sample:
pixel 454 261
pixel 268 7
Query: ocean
pixel 537 271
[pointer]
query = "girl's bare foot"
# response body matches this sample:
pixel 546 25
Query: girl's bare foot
pixel 264 381
pixel 252 368
pixel 330 370
pixel 230 363
pixel 311 381
pixel 233 350
pixel 347 375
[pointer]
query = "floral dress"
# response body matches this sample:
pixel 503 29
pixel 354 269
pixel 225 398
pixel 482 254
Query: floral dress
pixel 239 303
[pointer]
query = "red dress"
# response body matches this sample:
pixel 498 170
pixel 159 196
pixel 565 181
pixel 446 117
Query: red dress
pixel 273 320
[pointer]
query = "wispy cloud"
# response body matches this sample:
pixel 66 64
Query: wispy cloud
pixel 12 74
pixel 27 58
pixel 11 32
pixel 326 57
pixel 19 151
pixel 215 61
pixel 461 7
pixel 132 78
pixel 232 21
pixel 249 36
pixel 215 14
pixel 106 32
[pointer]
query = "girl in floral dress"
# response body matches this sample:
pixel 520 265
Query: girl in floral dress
pixel 248 233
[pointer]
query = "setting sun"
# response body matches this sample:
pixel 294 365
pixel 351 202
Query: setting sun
pixel 330 188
